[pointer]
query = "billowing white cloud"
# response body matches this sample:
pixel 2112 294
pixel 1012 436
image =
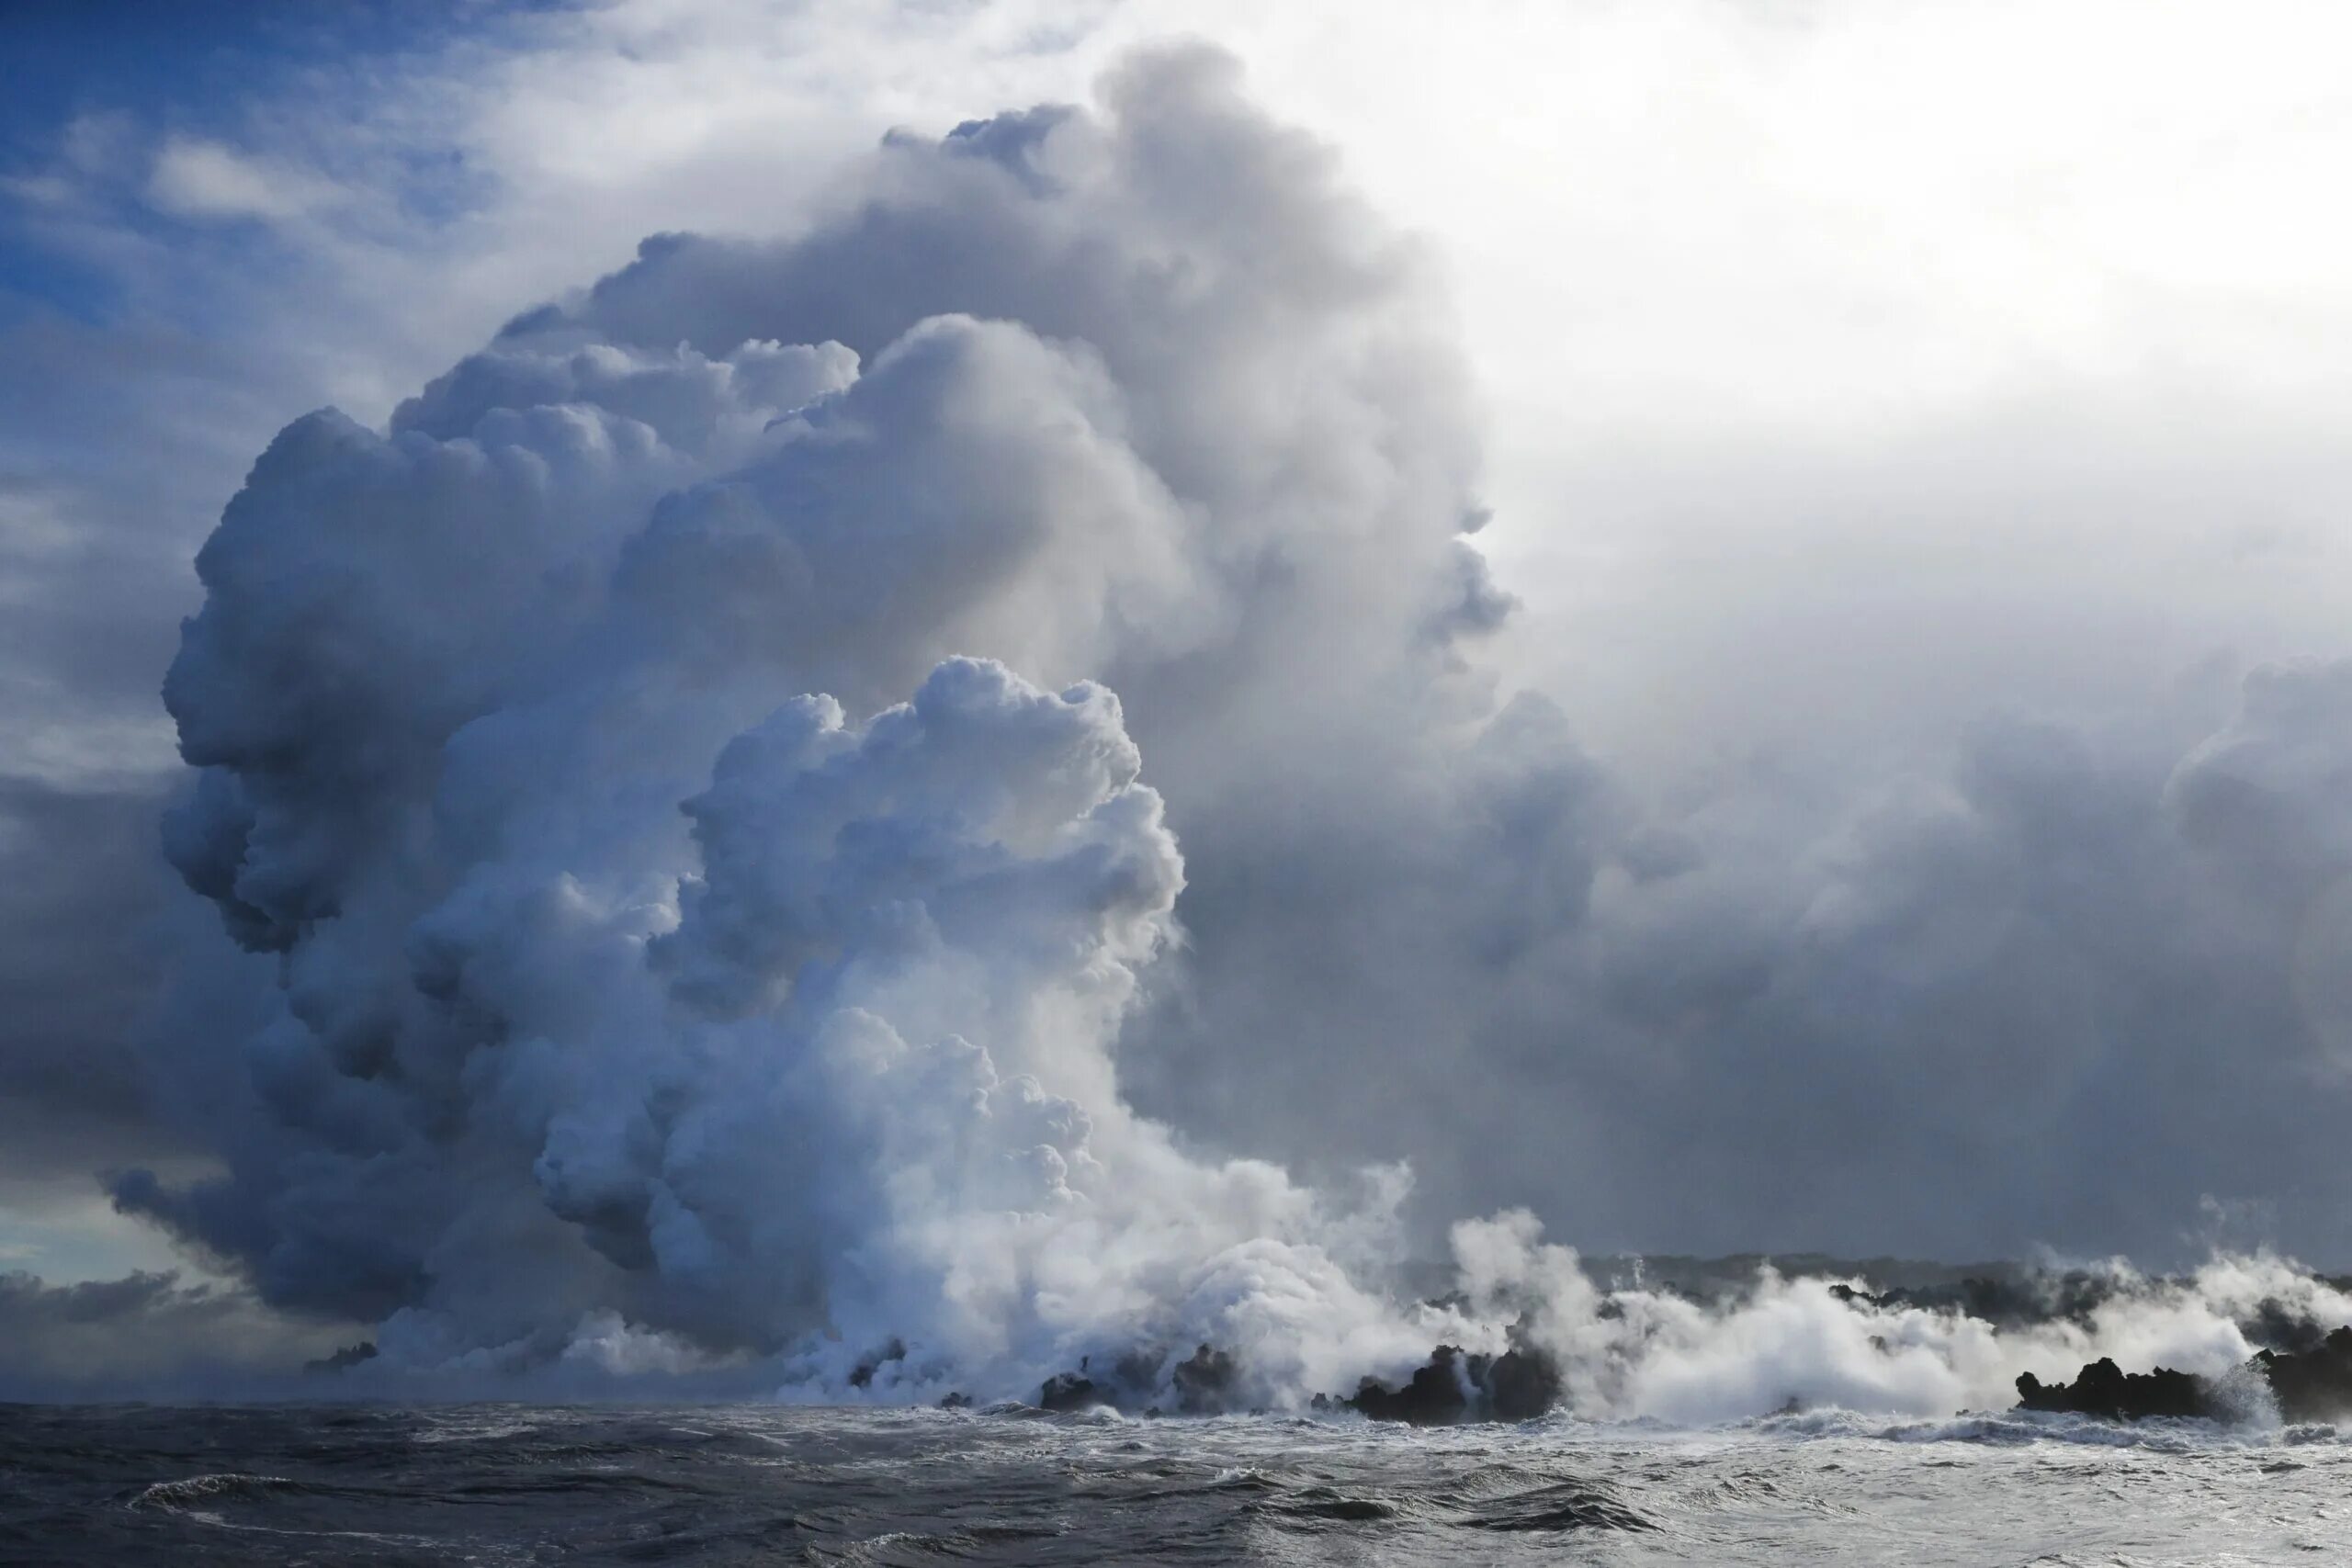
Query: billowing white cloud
pixel 747 1014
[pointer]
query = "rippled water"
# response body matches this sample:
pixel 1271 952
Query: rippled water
pixel 741 1484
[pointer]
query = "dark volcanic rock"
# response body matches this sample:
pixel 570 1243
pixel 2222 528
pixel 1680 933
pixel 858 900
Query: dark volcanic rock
pixel 349 1355
pixel 1204 1384
pixel 2105 1390
pixel 1069 1391
pixel 2310 1385
pixel 1518 1385
pixel 1434 1397
pixel 2314 1384
pixel 1524 1383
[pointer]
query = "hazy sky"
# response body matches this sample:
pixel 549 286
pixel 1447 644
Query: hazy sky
pixel 1916 435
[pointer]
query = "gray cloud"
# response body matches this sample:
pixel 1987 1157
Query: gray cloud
pixel 2056 991
pixel 82 969
pixel 145 1334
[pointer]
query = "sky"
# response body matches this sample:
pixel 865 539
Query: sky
pixel 1905 807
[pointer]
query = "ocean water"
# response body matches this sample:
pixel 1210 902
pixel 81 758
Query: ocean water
pixel 503 1485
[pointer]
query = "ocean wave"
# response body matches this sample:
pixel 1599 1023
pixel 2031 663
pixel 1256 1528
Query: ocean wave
pixel 861 1486
pixel 192 1490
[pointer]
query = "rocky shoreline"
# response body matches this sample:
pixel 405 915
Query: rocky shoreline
pixel 1457 1387
pixel 2314 1384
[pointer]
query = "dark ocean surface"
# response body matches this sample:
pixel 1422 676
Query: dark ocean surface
pixel 501 1484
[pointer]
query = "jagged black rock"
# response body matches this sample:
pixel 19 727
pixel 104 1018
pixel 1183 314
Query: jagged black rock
pixel 2315 1385
pixel 2105 1390
pixel 1518 1385
pixel 2310 1385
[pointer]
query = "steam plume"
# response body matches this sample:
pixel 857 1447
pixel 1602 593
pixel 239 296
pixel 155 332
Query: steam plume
pixel 705 893
pixel 654 975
